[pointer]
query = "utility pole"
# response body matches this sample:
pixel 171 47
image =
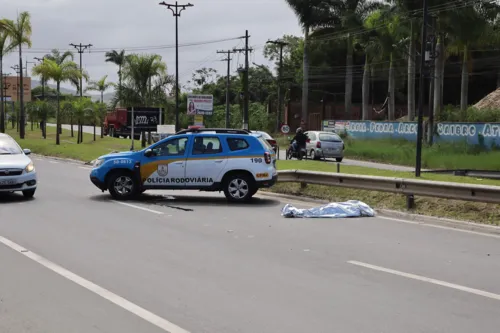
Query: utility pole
pixel 176 10
pixel 418 162
pixel 228 84
pixel 26 69
pixel 42 79
pixel 80 48
pixel 430 61
pixel 246 50
pixel 281 44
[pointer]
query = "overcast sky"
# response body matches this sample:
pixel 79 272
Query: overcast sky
pixel 129 24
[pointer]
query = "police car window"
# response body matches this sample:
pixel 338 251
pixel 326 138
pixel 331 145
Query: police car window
pixel 237 144
pixel 206 145
pixel 175 147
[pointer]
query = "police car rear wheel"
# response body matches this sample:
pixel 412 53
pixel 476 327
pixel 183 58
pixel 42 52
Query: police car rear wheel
pixel 239 188
pixel 122 186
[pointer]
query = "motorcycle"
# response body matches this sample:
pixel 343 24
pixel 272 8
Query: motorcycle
pixel 300 154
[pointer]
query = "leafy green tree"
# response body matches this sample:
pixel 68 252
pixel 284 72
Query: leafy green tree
pixel 63 72
pixel 19 32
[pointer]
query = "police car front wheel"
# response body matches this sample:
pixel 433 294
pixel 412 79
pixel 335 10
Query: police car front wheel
pixel 122 186
pixel 239 188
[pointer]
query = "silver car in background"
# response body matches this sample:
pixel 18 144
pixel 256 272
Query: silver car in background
pixel 17 171
pixel 324 145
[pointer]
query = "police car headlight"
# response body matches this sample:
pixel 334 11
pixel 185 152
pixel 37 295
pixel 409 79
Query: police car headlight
pixel 98 162
pixel 30 167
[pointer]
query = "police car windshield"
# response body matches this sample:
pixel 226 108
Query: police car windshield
pixel 9 147
pixel 265 144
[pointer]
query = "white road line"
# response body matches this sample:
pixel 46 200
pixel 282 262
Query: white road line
pixel 138 207
pixel 427 224
pixel 53 162
pixel 85 168
pixel 104 293
pixel 429 280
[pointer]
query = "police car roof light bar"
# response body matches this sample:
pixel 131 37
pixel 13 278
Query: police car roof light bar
pixel 216 130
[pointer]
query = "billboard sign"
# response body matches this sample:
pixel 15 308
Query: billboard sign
pixel 12 88
pixel 200 105
pixel 145 119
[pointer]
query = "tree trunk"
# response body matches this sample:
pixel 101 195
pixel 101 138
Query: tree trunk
pixel 58 118
pixel 438 72
pixel 2 110
pixel 305 77
pixel 366 90
pixel 119 85
pixel 22 113
pixel 411 76
pixel 102 130
pixel 94 131
pixel 71 121
pixel 464 91
pixel 392 91
pixel 102 96
pixel 348 77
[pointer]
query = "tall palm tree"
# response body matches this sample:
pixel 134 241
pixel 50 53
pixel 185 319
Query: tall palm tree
pixel 351 14
pixel 139 71
pixel 101 110
pixel 100 86
pixel 20 34
pixel 6 46
pixel 64 72
pixel 310 14
pixel 117 58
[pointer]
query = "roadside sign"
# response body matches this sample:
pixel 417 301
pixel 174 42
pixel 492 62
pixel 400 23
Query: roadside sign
pixel 285 129
pixel 200 105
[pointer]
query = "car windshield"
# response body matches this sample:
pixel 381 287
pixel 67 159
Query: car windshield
pixel 329 137
pixel 264 135
pixel 9 147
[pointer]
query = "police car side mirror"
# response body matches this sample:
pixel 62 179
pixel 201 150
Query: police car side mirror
pixel 26 151
pixel 148 153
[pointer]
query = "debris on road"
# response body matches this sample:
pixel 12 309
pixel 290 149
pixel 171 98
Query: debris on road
pixel 351 208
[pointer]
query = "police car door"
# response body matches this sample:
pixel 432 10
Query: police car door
pixel 166 168
pixel 206 161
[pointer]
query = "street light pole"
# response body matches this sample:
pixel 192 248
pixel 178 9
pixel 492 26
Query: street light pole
pixel 281 44
pixel 176 11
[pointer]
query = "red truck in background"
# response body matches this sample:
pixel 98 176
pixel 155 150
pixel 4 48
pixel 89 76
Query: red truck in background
pixel 118 122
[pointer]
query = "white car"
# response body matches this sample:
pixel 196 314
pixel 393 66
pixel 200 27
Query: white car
pixel 17 171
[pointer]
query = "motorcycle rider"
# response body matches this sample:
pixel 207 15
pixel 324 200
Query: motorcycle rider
pixel 299 140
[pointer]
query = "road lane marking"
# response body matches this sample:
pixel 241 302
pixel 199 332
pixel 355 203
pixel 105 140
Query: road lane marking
pixel 104 293
pixel 53 162
pixel 138 207
pixel 428 224
pixel 428 280
pixel 85 168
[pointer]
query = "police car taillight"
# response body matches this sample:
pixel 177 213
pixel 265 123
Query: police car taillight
pixel 267 157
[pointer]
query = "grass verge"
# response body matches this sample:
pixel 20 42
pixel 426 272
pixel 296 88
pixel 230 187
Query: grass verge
pixel 454 209
pixel 402 152
pixel 86 151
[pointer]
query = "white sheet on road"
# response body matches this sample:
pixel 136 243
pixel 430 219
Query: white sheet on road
pixel 351 208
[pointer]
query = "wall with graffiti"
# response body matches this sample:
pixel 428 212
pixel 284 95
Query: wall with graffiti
pixel 484 134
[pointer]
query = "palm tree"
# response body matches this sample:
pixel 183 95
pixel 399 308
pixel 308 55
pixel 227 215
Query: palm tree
pixel 351 15
pixel 20 34
pixel 139 74
pixel 309 14
pixel 67 110
pixel 80 106
pixel 6 46
pixel 101 110
pixel 100 85
pixel 117 58
pixel 64 72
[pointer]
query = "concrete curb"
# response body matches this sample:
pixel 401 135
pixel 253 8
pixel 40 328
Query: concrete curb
pixel 60 159
pixel 417 218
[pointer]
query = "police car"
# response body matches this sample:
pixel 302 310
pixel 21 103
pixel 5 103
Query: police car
pixel 236 162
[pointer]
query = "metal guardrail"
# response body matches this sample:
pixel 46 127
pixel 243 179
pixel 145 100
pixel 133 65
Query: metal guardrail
pixel 404 186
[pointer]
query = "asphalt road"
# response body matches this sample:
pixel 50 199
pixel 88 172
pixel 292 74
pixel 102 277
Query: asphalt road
pixel 282 153
pixel 72 260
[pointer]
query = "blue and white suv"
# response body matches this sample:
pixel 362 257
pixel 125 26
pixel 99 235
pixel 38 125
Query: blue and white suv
pixel 234 161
